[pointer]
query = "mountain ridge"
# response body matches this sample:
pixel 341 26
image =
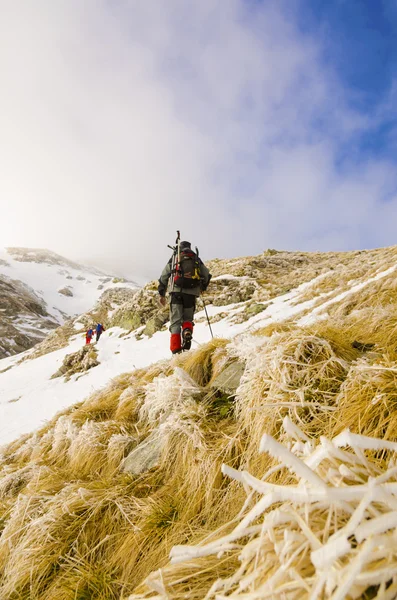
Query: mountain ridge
pixel 40 290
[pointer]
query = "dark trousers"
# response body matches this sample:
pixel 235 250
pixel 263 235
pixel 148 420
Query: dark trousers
pixel 182 309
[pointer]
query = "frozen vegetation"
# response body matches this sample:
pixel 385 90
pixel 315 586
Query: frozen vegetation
pixel 262 464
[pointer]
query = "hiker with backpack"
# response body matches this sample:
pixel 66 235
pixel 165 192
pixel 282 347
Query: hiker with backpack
pixel 188 277
pixel 99 330
pixel 89 336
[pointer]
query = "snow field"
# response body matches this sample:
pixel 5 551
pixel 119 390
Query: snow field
pixel 47 279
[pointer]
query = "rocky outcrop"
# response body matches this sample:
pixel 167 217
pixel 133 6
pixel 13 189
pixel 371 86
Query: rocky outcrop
pixel 115 297
pixel 24 320
pixel 143 309
pixel 225 290
pixel 78 362
pixel 66 291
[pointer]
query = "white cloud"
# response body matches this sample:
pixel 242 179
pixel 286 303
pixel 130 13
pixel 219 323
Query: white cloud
pixel 123 121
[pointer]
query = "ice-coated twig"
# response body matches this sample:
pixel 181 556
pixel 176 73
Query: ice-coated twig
pixel 364 442
pixel 331 535
pixel 376 526
pixel 352 571
pixel 182 553
pixel 293 430
pixel 323 557
pixel 277 450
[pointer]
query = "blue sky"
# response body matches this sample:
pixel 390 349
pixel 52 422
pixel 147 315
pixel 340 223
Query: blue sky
pixel 358 38
pixel 359 41
pixel 246 124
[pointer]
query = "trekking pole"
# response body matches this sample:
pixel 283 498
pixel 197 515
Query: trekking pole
pixel 208 319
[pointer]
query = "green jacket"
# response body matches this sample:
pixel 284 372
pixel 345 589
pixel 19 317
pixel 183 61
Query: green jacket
pixel 166 275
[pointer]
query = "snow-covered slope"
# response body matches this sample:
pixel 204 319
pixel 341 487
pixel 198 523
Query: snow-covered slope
pixel 40 290
pixel 29 396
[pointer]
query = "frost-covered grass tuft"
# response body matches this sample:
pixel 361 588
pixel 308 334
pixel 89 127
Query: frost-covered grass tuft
pixel 330 533
pixel 302 508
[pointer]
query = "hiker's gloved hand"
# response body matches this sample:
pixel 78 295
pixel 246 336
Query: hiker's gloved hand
pixel 162 301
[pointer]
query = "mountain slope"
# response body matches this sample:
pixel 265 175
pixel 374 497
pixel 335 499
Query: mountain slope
pixel 233 457
pixel 39 290
pixel 237 304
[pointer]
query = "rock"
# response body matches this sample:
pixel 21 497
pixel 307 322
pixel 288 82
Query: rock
pixel 21 306
pixel 155 323
pixel 362 346
pixel 139 310
pixel 250 311
pixel 78 362
pixel 145 456
pixel 116 296
pixel 226 291
pixel 66 291
pixel 255 309
pixel 229 378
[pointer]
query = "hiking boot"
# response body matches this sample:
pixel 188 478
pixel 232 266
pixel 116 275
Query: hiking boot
pixel 186 339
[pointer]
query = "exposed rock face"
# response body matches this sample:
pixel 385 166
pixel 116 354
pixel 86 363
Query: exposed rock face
pixel 78 362
pixel 24 320
pixel 146 456
pixel 229 378
pixel 143 309
pixel 224 291
pixel 117 296
pixel 156 323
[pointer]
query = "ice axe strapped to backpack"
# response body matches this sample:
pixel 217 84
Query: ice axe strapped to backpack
pixel 175 256
pixel 185 267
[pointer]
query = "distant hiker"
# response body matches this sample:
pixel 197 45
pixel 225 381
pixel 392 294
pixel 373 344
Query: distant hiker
pixel 99 330
pixel 88 336
pixel 189 277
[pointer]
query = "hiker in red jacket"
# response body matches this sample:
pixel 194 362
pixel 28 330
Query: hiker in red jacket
pixel 88 336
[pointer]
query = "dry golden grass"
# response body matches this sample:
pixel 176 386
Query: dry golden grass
pixel 74 526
